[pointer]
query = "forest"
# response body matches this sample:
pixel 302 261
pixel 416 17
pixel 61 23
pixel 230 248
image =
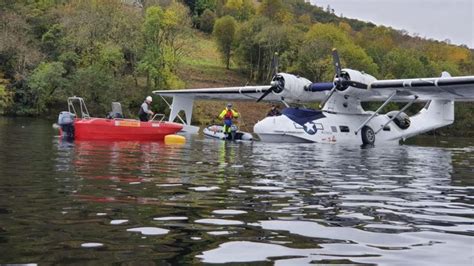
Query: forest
pixel 119 50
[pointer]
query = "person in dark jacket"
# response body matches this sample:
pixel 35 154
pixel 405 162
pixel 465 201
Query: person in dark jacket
pixel 274 111
pixel 145 109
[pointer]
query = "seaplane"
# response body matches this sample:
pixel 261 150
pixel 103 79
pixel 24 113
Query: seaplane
pixel 341 118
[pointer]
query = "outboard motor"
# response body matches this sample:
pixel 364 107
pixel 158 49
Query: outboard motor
pixel 402 120
pixel 233 131
pixel 66 122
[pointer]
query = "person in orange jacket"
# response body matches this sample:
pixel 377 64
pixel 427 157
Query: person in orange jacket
pixel 228 114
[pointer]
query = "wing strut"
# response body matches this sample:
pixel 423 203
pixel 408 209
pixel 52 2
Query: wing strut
pixel 169 106
pixel 183 103
pixel 399 112
pixel 376 112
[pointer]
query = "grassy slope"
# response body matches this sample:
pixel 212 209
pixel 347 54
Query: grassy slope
pixel 203 68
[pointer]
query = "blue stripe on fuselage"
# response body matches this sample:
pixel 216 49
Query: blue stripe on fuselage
pixel 302 115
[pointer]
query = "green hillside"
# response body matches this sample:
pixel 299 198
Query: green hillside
pixel 202 68
pixel 112 50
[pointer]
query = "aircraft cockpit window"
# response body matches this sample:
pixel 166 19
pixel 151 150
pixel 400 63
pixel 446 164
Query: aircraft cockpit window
pixel 344 128
pixel 319 126
pixel 334 129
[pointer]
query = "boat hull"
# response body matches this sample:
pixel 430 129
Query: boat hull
pixel 122 129
pixel 217 133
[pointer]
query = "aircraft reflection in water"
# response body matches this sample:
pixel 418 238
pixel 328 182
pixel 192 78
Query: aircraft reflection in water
pixel 370 161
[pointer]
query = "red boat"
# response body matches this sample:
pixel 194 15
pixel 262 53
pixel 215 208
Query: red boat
pixel 114 127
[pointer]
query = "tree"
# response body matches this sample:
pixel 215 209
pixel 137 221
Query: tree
pixel 100 89
pixel 275 10
pixel 46 80
pixel 18 50
pixel 314 57
pixel 177 32
pixel 202 5
pixel 166 35
pixel 248 52
pixel 88 25
pixel 224 32
pixel 402 63
pixel 51 40
pixel 377 41
pixel 111 58
pixel 70 61
pixel 5 98
pixel 5 95
pixel 259 39
pixel 275 38
pixel 239 9
pixel 151 62
pixel 313 61
pixel 207 20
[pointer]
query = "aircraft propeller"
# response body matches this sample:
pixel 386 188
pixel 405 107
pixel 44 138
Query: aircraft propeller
pixel 277 85
pixel 341 81
pixel 278 82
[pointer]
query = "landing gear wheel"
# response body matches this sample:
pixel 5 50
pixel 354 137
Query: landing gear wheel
pixel 368 136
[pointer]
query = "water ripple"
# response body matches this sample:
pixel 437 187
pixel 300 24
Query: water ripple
pixel 216 202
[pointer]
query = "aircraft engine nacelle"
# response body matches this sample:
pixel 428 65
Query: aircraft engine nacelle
pixel 288 86
pixel 357 76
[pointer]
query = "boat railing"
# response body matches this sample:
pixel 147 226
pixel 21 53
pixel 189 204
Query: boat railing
pixel 82 107
pixel 158 116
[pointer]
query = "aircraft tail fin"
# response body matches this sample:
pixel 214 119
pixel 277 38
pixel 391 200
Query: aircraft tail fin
pixel 445 74
pixel 435 114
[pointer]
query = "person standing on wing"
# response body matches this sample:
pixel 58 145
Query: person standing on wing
pixel 145 109
pixel 228 114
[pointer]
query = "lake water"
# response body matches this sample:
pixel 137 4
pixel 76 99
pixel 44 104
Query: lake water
pixel 216 202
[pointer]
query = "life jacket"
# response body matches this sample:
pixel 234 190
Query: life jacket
pixel 142 112
pixel 229 114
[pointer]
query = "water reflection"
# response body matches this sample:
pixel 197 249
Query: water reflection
pixel 218 202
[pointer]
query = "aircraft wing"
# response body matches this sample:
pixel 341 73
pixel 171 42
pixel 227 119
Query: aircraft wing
pixel 251 93
pixel 445 88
